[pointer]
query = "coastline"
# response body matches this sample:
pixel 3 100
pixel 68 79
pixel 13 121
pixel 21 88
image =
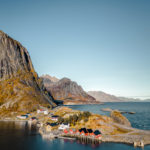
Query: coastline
pixel 129 135
pixel 140 139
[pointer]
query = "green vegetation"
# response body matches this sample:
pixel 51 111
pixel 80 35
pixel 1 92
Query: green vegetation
pixel 73 119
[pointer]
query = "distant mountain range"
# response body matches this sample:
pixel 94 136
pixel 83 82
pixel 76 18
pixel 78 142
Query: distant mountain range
pixel 146 100
pixel 104 97
pixel 66 90
pixel 71 93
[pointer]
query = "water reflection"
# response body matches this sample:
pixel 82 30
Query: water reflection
pixel 81 142
pixel 24 126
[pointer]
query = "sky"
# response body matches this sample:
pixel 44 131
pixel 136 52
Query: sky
pixel 103 45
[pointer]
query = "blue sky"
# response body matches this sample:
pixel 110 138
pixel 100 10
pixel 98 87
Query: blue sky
pixel 102 44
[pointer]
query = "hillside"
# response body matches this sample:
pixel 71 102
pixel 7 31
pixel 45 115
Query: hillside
pixel 68 91
pixel 20 87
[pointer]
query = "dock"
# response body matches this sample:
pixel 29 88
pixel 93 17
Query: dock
pixel 82 138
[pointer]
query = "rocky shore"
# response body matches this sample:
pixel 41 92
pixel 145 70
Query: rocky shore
pixel 138 138
pixel 135 137
pixel 122 112
pixel 115 128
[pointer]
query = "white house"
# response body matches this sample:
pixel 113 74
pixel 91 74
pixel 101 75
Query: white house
pixel 22 117
pixel 64 126
pixel 39 111
pixel 45 112
pixel 42 111
pixel 54 118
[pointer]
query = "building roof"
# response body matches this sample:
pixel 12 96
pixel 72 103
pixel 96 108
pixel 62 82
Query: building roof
pixel 83 130
pixel 33 118
pixel 90 130
pixel 66 124
pixel 55 116
pixel 51 124
pixel 97 132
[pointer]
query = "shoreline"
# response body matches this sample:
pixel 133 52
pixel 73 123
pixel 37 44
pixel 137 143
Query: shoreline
pixel 111 130
pixel 14 120
pixel 136 138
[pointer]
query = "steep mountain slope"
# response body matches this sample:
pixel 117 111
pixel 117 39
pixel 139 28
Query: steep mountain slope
pixel 20 87
pixel 103 97
pixel 68 91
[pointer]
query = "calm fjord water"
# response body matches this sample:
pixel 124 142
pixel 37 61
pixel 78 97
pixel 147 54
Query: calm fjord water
pixel 22 136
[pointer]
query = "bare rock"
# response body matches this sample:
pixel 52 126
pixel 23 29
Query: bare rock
pixel 119 118
pixel 67 90
pixel 20 87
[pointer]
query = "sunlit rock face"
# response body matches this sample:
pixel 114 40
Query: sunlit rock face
pixel 20 87
pixel 66 90
pixel 13 57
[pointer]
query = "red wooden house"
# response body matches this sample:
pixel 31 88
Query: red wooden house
pixel 72 131
pixel 83 131
pixel 90 132
pixel 66 131
pixel 97 134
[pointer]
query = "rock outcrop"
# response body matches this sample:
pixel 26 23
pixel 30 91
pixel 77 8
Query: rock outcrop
pixel 119 118
pixel 68 91
pixel 20 87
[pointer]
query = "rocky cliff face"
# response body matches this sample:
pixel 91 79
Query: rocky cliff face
pixel 14 57
pixel 68 91
pixel 20 87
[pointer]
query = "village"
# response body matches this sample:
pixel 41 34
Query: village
pixel 63 122
pixel 56 127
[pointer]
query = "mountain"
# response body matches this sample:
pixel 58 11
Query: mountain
pixel 129 99
pixel 103 97
pixel 20 87
pixel 47 79
pixel 66 90
pixel 146 100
